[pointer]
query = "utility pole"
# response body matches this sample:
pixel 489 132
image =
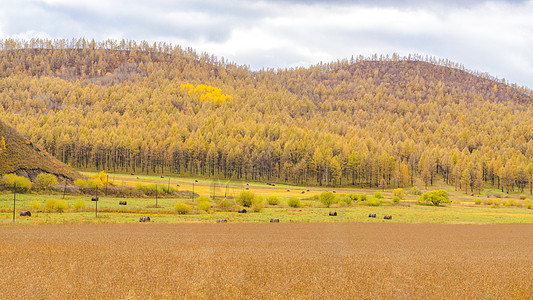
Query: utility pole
pixel 193 192
pixel 14 197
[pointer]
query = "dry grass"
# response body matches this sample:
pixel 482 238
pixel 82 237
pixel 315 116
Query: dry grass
pixel 272 261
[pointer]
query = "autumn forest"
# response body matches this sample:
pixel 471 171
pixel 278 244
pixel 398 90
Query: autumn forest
pixel 126 106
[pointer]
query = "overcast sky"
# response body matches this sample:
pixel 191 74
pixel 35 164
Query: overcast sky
pixel 489 36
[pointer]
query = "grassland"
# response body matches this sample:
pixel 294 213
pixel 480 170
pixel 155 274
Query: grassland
pixel 266 261
pixel 462 210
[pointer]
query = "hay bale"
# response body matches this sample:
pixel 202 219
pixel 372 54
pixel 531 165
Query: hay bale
pixel 94 198
pixel 332 213
pixel 132 174
pixel 144 219
pixel 371 215
pixel 25 213
pixel 387 217
pixel 274 220
pixel 122 203
pixel 162 176
pixel 242 211
pixel 222 221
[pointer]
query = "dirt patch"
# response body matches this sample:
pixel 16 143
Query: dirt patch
pixel 271 261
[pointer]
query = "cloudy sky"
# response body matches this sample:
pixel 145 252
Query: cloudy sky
pixel 488 36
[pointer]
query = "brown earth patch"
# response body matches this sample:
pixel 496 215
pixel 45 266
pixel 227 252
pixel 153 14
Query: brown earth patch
pixel 268 261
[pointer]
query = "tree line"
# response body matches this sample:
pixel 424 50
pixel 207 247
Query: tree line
pixel 122 106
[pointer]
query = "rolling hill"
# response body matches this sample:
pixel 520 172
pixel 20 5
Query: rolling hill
pixel 378 121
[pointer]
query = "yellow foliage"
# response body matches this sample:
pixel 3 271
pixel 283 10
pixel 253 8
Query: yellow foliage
pixel 207 93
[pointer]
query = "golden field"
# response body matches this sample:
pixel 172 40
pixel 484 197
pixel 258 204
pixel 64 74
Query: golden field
pixel 266 261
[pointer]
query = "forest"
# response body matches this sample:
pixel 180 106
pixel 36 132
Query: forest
pixel 126 106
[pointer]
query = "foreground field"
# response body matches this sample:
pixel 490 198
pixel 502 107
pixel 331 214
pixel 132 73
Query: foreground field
pixel 332 261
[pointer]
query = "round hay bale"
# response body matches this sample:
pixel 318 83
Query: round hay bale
pixel 274 220
pixel 222 221
pixel 94 198
pixel 122 203
pixel 332 213
pixel 25 213
pixel 371 215
pixel 387 217
pixel 242 211
pixel 144 219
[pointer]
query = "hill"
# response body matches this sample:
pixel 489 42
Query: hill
pixel 380 121
pixel 18 155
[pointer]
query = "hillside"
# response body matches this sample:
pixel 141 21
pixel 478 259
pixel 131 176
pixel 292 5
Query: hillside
pixel 20 156
pixel 135 107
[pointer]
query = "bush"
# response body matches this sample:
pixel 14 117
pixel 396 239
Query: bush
pixel 273 200
pixel 257 205
pixel 373 201
pixel 204 205
pixel 294 202
pixel 398 193
pixel 435 197
pixel 79 204
pixel 95 183
pixel 345 199
pixel 182 208
pixel 522 196
pixel 477 201
pixel 45 180
pixel 202 199
pixel 245 198
pixel 80 183
pixel 327 198
pixel 416 191
pixel 226 204
pixel 49 205
pixel 378 195
pixel 510 202
pixel 60 205
pixel 396 199
pixel 35 205
pixel 362 197
pixel 23 183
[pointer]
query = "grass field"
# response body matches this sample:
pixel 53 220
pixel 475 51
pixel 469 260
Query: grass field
pixel 266 261
pixel 462 210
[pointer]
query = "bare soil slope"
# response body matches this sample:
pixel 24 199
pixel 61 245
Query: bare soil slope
pixel 274 261
pixel 19 155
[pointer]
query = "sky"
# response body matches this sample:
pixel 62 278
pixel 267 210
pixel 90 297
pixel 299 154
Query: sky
pixel 494 37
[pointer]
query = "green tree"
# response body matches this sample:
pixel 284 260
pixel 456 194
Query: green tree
pixel 327 198
pixel 435 197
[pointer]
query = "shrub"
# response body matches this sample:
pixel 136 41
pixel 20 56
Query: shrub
pixel 258 205
pixel 225 204
pixel 373 201
pixel 416 191
pixel 60 205
pixel 436 197
pixel 23 183
pixel 79 204
pixel 204 205
pixel 80 183
pixel 378 195
pixel 182 208
pixel 327 198
pixel 510 202
pixel 50 204
pixel 293 202
pixel 396 199
pixel 362 197
pixel 45 180
pixel 95 183
pixel 273 200
pixel 353 196
pixel 35 205
pixel 202 199
pixel 477 201
pixel 245 198
pixel 398 193
pixel 497 202
pixel 522 196
pixel 346 199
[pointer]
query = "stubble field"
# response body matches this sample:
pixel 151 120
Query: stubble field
pixel 274 261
